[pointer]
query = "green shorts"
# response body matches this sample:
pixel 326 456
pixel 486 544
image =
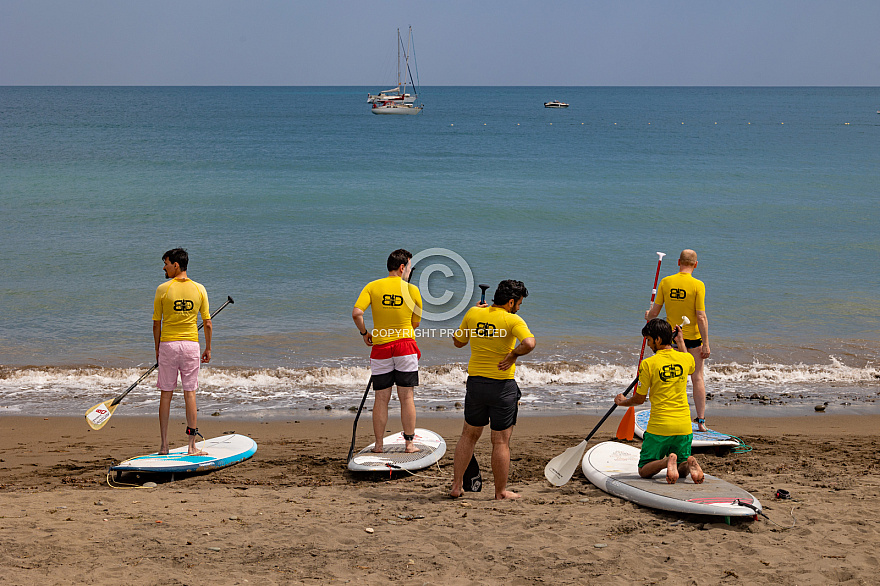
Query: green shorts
pixel 657 447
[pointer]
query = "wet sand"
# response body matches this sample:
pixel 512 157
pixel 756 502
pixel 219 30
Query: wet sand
pixel 293 514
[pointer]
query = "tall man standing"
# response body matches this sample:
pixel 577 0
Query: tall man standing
pixel 176 307
pixel 394 358
pixel 492 393
pixel 686 296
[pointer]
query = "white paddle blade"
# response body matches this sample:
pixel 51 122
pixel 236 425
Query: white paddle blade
pixel 684 320
pixel 98 415
pixel 560 469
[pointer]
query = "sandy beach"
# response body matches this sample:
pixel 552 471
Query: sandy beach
pixel 293 514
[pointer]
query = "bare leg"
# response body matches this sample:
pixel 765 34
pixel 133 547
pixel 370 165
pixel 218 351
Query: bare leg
pixel 464 450
pixel 501 463
pixel 189 399
pixel 164 416
pixel 699 386
pixel 380 416
pixel 407 415
pixel 692 467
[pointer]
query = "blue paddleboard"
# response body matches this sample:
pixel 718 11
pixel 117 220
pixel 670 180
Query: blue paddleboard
pixel 222 451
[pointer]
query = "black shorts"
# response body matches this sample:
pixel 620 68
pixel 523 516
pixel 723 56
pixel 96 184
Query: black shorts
pixel 491 400
pixel 395 377
pixel 693 343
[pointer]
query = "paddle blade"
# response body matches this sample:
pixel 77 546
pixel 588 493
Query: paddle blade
pixel 560 469
pixel 98 415
pixel 473 480
pixel 627 428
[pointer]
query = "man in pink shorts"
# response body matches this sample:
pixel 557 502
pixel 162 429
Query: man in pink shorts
pixel 178 302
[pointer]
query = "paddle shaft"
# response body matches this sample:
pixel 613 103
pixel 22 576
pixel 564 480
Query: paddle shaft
pixel 631 386
pixel 117 400
pixel 650 305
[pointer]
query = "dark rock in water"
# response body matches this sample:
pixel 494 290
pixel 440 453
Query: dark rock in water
pixel 440 407
pixel 819 407
pixel 352 408
pixel 755 396
pixel 458 404
pixel 215 414
pixel 328 407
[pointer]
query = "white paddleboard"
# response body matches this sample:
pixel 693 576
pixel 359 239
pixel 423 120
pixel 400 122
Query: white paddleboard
pixel 431 448
pixel 702 439
pixel 222 451
pixel 614 468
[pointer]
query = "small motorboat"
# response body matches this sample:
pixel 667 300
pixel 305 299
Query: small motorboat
pixel 555 104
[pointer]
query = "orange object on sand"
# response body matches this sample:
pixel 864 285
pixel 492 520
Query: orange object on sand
pixel 627 428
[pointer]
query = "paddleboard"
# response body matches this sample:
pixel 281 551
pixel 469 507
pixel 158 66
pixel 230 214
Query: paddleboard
pixel 614 468
pixel 702 439
pixel 222 451
pixel 431 448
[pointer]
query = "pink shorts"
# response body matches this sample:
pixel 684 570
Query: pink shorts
pixel 182 356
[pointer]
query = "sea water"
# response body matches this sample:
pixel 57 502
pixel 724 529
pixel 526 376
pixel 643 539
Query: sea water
pixel 289 200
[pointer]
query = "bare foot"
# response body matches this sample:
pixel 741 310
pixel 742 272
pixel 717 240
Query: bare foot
pixel 455 493
pixel 377 450
pixel 411 448
pixel 163 452
pixel 695 471
pixel 506 495
pixel 196 452
pixel 672 469
pixel 701 425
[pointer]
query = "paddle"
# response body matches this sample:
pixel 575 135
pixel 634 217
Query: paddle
pixel 560 469
pixel 626 429
pixel 98 416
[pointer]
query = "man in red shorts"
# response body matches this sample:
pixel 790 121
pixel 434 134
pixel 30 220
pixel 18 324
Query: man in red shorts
pixel 394 358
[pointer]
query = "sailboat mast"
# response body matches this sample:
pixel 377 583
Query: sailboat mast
pixel 398 59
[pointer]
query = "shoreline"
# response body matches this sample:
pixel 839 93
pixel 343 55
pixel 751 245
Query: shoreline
pixel 294 514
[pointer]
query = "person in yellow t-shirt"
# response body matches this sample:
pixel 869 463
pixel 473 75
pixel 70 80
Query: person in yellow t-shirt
pixel 667 441
pixel 176 308
pixel 394 358
pixel 492 393
pixel 684 295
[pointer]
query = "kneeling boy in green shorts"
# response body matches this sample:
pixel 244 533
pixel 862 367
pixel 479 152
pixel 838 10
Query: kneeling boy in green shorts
pixel 668 438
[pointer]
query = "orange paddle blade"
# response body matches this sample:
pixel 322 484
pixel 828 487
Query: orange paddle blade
pixel 627 428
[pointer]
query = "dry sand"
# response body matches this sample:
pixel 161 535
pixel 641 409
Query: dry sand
pixel 293 514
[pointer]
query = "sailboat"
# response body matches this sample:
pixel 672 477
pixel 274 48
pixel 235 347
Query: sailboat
pixel 396 100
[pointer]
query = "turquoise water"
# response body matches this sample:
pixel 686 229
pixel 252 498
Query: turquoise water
pixel 289 200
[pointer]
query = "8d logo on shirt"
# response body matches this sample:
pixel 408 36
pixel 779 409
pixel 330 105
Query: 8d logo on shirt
pixel 671 371
pixel 485 330
pixel 678 294
pixel 392 300
pixel 183 305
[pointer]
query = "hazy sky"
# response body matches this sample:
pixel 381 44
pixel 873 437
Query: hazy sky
pixel 474 42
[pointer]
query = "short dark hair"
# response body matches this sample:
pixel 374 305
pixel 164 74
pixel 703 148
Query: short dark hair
pixel 177 255
pixel 508 290
pixel 397 258
pixel 658 328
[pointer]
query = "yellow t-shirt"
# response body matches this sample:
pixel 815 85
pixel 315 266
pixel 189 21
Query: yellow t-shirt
pixel 394 301
pixel 682 295
pixel 177 305
pixel 493 333
pixel 664 375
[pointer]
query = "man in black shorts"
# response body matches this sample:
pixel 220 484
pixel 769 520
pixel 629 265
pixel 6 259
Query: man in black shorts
pixel 492 393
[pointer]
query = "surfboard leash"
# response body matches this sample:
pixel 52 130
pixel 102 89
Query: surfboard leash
pixel 763 514
pixel 742 448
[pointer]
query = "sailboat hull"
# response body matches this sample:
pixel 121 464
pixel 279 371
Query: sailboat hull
pixel 397 109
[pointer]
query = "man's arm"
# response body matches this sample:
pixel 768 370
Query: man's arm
pixel 357 314
pixel 637 399
pixel 209 331
pixel 653 312
pixel 157 335
pixel 703 326
pixel 525 346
